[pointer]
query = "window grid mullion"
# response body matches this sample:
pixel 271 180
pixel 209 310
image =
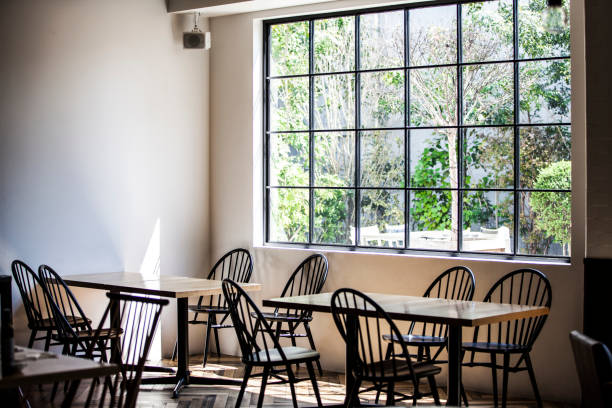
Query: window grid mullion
pixel 311 141
pixel 406 131
pixel 516 215
pixel 357 183
pixel 459 137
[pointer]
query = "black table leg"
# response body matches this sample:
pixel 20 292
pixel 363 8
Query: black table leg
pixel 182 377
pixel 454 366
pixel 351 347
pixel 182 374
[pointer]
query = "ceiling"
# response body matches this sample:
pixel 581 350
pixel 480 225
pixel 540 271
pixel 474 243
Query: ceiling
pixel 214 8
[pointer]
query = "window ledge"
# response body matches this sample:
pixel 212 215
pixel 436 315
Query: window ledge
pixel 415 253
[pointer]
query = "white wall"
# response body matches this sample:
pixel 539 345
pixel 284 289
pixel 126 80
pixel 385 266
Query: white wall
pixel 235 195
pixel 104 131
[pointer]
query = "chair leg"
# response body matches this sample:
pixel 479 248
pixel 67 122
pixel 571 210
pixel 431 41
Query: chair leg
pixel 353 399
pixel 207 340
pixel 48 339
pixel 32 337
pixel 388 354
pixel 532 378
pixel 315 386
pixel 494 372
pixel 216 332
pixel 245 380
pixel 505 379
pixel 292 386
pixel 464 396
pixel 390 394
pixel 434 389
pixel 262 390
pixel 312 345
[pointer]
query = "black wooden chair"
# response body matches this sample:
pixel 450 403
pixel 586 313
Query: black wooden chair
pixel 138 317
pixel 36 305
pixel 594 366
pixel 260 347
pixel 512 338
pixel 307 279
pixel 362 323
pixel 456 283
pixel 236 265
pixel 75 339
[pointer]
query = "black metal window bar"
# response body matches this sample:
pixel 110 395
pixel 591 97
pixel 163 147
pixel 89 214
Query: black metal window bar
pixel 516 189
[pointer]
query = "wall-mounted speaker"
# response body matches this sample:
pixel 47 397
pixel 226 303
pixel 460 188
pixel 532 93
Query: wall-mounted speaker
pixel 193 40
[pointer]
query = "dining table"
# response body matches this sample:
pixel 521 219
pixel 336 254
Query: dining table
pixel 175 287
pixel 42 367
pixel 457 314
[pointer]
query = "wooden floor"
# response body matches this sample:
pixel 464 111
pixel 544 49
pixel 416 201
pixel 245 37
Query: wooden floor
pixel 330 385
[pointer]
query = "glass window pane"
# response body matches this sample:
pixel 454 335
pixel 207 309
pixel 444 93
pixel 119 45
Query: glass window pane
pixel 334 159
pixel 534 40
pixel 334 39
pixel 545 91
pixel 288 209
pixel 334 216
pixel 382 218
pixel 488 221
pixel 288 104
pixel 540 148
pixel 487 31
pixel 431 165
pixel 433 96
pixel 433 35
pixel 334 101
pixel 488 157
pixel 545 223
pixel 381 37
pixel 382 158
pixel 382 99
pixel 288 159
pixel 431 219
pixel 488 94
pixel 289 49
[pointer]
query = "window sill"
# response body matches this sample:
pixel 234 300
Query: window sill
pixel 415 253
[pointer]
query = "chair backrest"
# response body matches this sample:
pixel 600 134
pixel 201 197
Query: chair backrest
pixel 256 338
pixel 594 366
pixel 456 283
pixel 138 317
pixel 307 279
pixel 236 265
pixel 64 307
pixel 527 287
pixel 356 313
pixel 34 300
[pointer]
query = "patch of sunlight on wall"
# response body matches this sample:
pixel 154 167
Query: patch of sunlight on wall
pixel 150 268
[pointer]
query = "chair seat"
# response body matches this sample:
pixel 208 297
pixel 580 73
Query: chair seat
pixel 495 347
pixel 49 323
pixel 417 340
pixel 208 309
pixel 111 333
pixel 293 354
pixel 422 369
pixel 284 317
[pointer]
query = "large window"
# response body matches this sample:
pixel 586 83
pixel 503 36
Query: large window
pixel 442 127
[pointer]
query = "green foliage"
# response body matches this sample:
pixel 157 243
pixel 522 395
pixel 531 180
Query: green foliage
pixel 553 210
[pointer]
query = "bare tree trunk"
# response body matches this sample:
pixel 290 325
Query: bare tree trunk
pixel 454 181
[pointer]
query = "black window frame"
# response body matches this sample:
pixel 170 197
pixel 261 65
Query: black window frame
pixel 516 125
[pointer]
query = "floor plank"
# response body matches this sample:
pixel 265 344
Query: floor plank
pixel 277 395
